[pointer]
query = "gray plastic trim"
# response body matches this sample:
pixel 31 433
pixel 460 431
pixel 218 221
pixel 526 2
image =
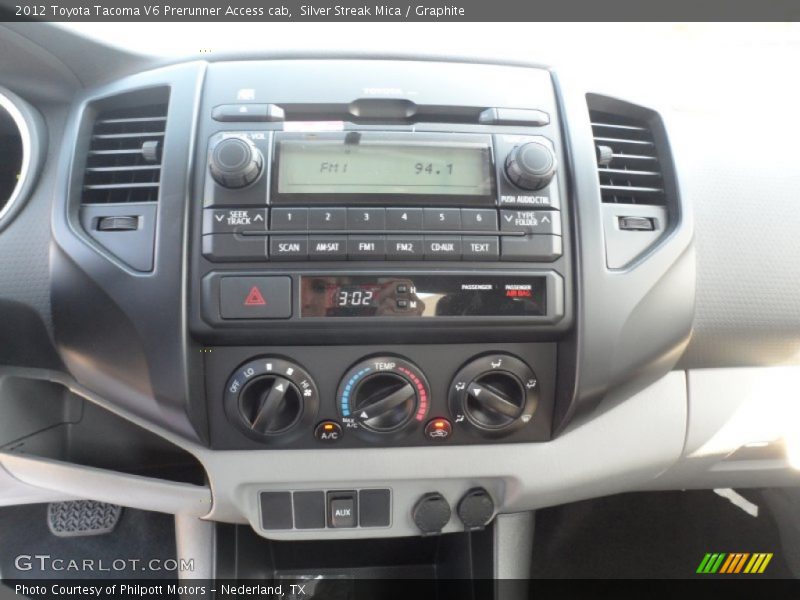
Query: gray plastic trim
pixel 108 486
pixel 729 409
pixel 513 538
pixel 196 540
pixel 14 492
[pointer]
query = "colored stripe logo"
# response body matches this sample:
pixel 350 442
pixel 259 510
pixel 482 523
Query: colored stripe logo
pixel 734 563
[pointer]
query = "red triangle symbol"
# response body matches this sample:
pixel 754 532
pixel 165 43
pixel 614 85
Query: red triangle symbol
pixel 254 298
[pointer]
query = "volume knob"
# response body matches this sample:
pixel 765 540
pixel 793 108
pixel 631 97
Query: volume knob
pixel 531 166
pixel 235 162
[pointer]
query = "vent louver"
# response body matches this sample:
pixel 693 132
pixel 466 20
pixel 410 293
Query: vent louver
pixel 124 160
pixel 627 159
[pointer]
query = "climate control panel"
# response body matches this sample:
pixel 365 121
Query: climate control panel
pixel 328 397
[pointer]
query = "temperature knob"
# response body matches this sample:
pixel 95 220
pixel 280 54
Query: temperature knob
pixel 267 397
pixel 235 162
pixel 531 166
pixel 494 395
pixel 382 396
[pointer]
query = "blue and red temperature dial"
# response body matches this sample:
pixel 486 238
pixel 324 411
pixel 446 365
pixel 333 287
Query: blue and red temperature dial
pixel 383 395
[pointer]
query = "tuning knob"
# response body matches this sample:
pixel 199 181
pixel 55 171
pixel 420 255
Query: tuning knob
pixel 267 397
pixel 531 166
pixel 383 395
pixel 494 395
pixel 235 162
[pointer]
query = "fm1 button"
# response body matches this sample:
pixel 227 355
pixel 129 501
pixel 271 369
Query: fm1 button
pixel 342 509
pixel 255 297
pixel 328 432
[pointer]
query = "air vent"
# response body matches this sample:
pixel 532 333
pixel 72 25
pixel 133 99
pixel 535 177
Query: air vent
pixel 124 160
pixel 627 158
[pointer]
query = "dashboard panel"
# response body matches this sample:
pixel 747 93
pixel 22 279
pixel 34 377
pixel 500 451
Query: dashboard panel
pixel 372 278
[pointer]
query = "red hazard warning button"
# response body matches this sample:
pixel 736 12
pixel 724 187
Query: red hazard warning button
pixel 255 297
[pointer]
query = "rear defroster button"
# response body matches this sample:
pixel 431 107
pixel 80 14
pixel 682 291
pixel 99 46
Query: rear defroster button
pixel 438 430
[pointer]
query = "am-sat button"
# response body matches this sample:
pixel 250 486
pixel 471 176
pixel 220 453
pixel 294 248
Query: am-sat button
pixel 255 297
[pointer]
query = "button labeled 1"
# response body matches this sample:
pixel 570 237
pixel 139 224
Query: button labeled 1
pixel 289 219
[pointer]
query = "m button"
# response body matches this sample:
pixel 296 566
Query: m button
pixel 255 297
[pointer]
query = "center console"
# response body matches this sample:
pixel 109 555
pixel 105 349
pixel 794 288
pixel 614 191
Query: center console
pixel 371 261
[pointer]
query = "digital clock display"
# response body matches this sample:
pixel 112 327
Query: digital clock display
pixel 422 296
pixel 359 167
pixel 355 297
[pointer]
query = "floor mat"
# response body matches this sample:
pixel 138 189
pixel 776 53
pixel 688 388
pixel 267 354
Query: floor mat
pixel 138 536
pixel 649 535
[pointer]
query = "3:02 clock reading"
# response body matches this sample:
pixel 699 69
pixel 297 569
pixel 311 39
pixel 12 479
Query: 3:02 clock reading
pixel 354 297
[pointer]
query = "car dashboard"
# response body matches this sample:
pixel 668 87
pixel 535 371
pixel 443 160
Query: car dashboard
pixel 340 297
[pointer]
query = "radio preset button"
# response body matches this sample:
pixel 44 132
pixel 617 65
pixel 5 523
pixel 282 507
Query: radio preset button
pixel 404 219
pixel 480 247
pixel 331 247
pixel 366 218
pixel 531 248
pixel 366 247
pixel 288 247
pixel 442 247
pixel 289 219
pixel 405 247
pixel 327 218
pixel 529 221
pixel 478 219
pixel 442 219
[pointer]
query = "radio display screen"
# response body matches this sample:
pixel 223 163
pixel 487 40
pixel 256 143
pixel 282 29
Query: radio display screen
pixel 422 296
pixel 356 167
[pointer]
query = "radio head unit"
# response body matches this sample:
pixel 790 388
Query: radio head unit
pixel 318 223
